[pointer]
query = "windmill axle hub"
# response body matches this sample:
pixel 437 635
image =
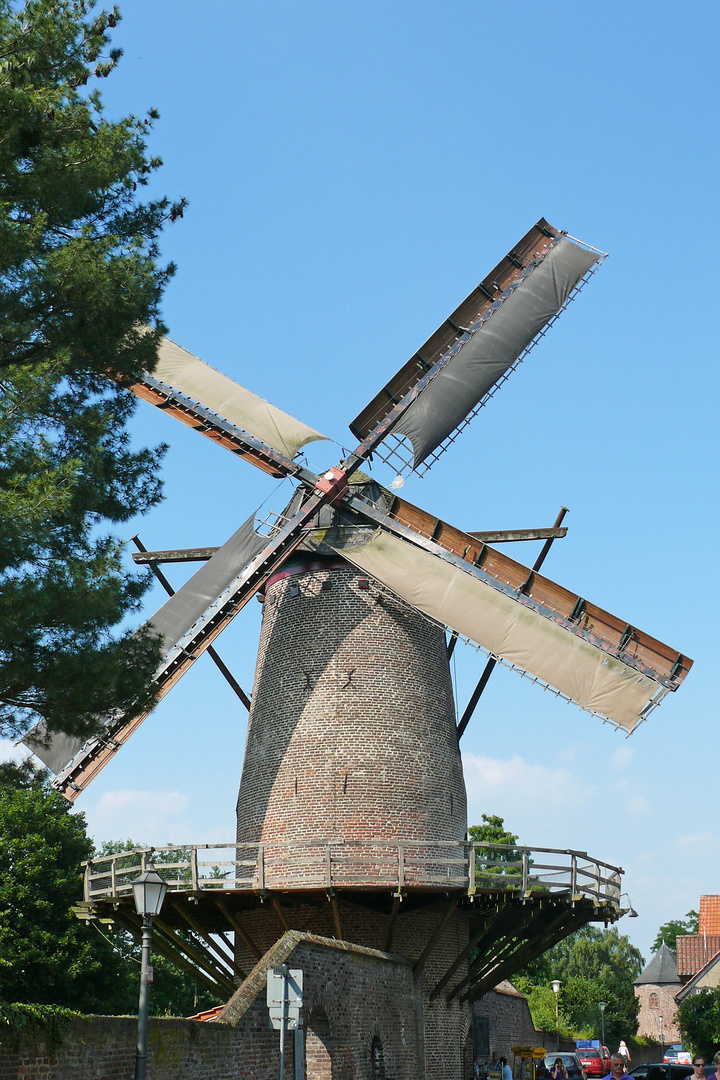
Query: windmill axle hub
pixel 333 483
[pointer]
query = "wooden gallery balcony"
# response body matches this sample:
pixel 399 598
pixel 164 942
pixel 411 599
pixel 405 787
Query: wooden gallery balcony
pixel 519 901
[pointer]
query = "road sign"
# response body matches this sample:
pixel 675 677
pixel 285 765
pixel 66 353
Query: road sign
pixel 284 996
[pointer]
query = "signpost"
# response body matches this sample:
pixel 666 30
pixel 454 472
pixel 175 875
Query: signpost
pixel 284 1001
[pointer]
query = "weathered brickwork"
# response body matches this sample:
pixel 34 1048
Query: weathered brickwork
pixel 446 1026
pixel 359 1004
pixel 508 1018
pixel 352 737
pixel 103 1048
pixel 657 1000
pixel 352 729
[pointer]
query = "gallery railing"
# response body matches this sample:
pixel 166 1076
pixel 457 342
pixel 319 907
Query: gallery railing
pixel 400 865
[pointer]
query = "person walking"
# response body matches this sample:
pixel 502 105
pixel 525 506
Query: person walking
pixel 617 1067
pixel 624 1054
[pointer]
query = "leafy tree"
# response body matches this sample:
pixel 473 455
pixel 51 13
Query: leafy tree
pixel 174 992
pixel 699 1020
pixel 592 965
pixel 492 831
pixel 669 931
pixel 48 956
pixel 80 291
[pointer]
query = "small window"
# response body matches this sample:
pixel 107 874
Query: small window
pixel 377 1060
pixel 654 1002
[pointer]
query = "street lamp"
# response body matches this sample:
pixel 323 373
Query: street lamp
pixel 602 1005
pixel 662 1040
pixel 556 990
pixel 149 892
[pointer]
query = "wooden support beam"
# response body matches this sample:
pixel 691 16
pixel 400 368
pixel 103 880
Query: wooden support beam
pixel 397 900
pixel 143 557
pixel 220 664
pixel 442 923
pixel 196 925
pixel 489 919
pixel 163 947
pixel 332 897
pixel 200 957
pixel 533 949
pixel 238 928
pixel 497 949
pixel 279 912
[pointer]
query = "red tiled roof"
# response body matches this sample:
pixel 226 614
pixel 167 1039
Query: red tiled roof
pixel 208 1014
pixel 709 915
pixel 694 951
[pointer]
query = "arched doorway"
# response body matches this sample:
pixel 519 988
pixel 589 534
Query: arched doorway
pixel 377 1060
pixel 318 1057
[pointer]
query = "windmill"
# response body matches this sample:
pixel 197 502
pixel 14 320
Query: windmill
pixel 352 738
pixel 602 663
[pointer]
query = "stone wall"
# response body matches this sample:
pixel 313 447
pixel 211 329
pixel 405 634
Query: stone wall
pixel 364 1014
pixel 508 1018
pixel 359 1005
pixel 658 1000
pixel 103 1048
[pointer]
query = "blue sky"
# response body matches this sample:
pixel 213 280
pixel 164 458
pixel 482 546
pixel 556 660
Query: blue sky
pixel 352 172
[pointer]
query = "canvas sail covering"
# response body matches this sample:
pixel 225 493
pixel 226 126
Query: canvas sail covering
pixel 191 376
pixel 171 622
pixel 494 347
pixel 505 627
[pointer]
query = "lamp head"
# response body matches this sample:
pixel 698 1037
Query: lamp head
pixel 149 892
pixel 556 986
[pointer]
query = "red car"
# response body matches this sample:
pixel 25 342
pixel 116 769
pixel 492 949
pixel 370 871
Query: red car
pixel 592 1061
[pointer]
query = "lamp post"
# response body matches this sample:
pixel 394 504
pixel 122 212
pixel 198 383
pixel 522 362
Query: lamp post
pixel 149 892
pixel 556 990
pixel 662 1040
pixel 602 1005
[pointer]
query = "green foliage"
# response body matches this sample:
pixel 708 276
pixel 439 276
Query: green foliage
pixel 669 931
pixel 699 1020
pixel 26 1023
pixel 492 831
pixel 592 965
pixel 173 992
pixel 47 956
pixel 80 292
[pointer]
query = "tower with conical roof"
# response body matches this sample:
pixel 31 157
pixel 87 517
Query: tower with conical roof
pixel 655 989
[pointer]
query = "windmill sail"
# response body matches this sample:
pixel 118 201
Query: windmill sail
pixel 578 658
pixel 172 623
pixel 492 349
pixel 177 369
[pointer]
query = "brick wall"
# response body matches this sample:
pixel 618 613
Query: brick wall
pixel 656 1001
pixel 354 999
pixel 351 733
pixel 508 1016
pixel 357 1002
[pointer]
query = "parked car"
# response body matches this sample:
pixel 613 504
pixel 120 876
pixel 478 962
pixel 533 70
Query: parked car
pixel 661 1070
pixel 592 1061
pixel 606 1058
pixel 675 1055
pixel 571 1062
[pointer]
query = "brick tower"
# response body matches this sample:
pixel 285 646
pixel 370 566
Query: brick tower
pixel 352 738
pixel 351 735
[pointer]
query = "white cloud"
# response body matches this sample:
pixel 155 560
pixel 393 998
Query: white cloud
pixel 530 797
pixel 695 846
pixel 637 805
pixel 149 817
pixel 623 756
pixel 10 752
